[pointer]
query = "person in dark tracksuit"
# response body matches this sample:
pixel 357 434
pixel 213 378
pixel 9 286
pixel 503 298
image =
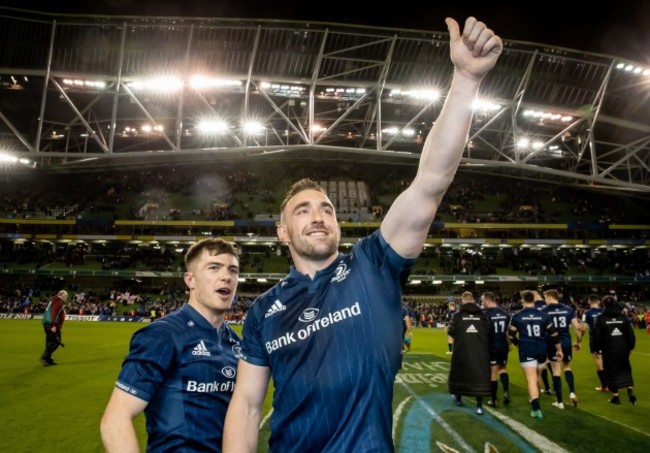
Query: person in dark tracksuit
pixel 469 373
pixel 614 339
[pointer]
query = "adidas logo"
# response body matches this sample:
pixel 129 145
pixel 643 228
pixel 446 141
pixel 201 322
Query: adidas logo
pixel 616 332
pixel 471 329
pixel 277 307
pixel 200 349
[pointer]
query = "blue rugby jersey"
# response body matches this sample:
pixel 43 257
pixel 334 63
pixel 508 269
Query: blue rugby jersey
pixel 499 321
pixel 450 314
pixel 333 345
pixel 186 370
pixel 532 326
pixel 561 316
pixel 590 317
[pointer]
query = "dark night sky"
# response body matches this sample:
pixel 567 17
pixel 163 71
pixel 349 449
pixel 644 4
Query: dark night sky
pixel 617 28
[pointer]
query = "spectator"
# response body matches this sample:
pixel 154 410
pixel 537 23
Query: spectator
pixel 53 320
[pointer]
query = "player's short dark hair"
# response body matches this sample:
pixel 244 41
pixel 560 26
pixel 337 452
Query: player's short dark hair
pixel 528 296
pixel 488 297
pixel 214 246
pixel 299 186
pixel 593 298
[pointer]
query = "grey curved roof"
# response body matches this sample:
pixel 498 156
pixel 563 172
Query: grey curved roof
pixel 292 75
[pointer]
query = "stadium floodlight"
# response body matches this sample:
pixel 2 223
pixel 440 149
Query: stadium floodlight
pixel 544 117
pixel 253 127
pixel 159 84
pixel 212 126
pixel 8 158
pixel 632 68
pixel 482 105
pixel 88 84
pixel 201 83
pixel 283 89
pixel 426 95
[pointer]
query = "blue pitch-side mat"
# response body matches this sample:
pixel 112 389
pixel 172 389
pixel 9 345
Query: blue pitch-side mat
pixel 416 434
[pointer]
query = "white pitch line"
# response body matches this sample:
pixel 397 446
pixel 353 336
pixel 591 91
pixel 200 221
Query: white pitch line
pixel 457 437
pixel 616 422
pixel 266 418
pixel 398 413
pixel 539 441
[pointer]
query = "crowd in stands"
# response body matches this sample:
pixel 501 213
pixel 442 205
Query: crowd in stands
pixel 254 190
pixel 438 260
pixel 426 312
pixel 245 191
pixel 114 302
pixel 541 262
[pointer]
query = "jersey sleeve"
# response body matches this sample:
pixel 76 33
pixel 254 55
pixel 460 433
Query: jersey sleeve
pixel 253 351
pixel 151 354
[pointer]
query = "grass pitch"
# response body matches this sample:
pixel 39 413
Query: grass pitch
pixel 57 409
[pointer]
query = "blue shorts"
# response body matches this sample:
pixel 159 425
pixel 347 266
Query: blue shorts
pixel 567 352
pixel 532 358
pixel 498 358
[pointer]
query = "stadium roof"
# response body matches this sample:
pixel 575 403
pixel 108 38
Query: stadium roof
pixel 81 93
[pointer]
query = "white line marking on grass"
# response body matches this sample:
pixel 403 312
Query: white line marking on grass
pixel 539 441
pixel 445 448
pixel 617 422
pixel 439 420
pixel 398 414
pixel 266 418
pixel 532 437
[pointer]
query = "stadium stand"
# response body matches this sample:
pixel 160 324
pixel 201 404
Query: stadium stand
pixel 111 179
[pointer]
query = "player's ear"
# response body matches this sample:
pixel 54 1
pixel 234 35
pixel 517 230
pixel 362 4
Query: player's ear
pixel 283 234
pixel 189 280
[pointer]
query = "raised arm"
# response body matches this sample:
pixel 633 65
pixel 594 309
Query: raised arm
pixel 473 53
pixel 241 430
